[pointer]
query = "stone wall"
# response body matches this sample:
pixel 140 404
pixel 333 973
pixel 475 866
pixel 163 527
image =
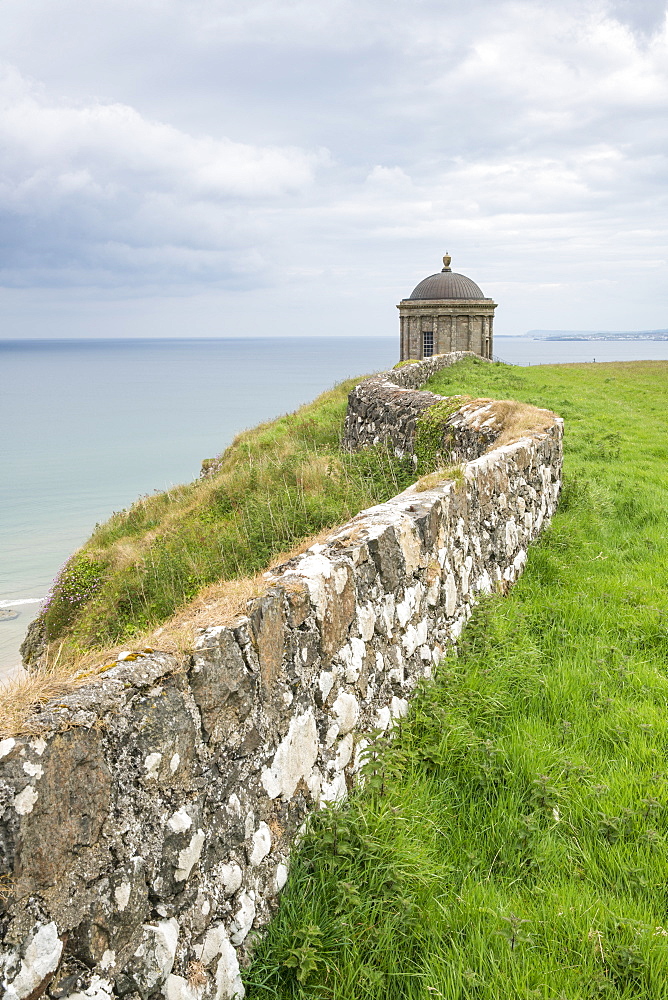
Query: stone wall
pixel 387 407
pixel 146 821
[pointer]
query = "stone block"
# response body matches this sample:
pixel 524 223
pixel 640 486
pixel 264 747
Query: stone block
pixel 222 685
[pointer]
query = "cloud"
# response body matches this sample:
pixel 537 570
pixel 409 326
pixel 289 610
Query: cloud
pixel 318 151
pixel 102 183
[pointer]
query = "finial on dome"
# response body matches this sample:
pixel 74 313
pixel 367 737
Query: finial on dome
pixel 446 262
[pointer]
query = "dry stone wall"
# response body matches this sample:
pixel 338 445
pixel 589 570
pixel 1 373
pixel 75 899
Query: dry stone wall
pixel 146 822
pixel 386 408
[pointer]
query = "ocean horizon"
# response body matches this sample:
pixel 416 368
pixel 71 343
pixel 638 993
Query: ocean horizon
pixel 91 425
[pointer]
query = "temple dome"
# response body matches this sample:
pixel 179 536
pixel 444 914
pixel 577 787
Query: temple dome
pixel 446 285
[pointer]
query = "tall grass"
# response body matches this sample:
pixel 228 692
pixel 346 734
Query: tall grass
pixel 276 485
pixel 511 837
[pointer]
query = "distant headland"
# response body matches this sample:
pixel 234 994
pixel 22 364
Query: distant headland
pixel 596 334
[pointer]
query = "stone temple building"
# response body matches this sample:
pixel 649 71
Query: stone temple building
pixel 446 312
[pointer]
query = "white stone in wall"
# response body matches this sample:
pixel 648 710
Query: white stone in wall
pixel 398 708
pixel 434 591
pixel 231 876
pixel 388 611
pixel 450 595
pixel 314 783
pixel 340 578
pixel 335 790
pixel 414 636
pixel 25 800
pixel 352 655
pixel 122 895
pixel 33 770
pixel 180 821
pixel 410 545
pixel 243 918
pixel 178 988
pixel 214 941
pixel 261 844
pixel 331 734
pixel 325 683
pixel 157 951
pixel 189 856
pixel 151 764
pixel 405 609
pixel 346 709
pixel 366 621
pixel 511 535
pixel 315 569
pixel 228 976
pixel 383 717
pixel 465 573
pixel 397 675
pixel 40 959
pixel 99 989
pixel 281 876
pixel 294 758
pixel 344 752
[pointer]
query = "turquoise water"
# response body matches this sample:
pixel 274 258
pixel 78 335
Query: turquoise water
pixel 88 426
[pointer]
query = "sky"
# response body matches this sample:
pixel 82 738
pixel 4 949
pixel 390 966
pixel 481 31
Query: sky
pixel 216 168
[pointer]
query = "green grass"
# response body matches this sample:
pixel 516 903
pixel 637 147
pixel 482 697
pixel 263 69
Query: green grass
pixel 510 841
pixel 278 484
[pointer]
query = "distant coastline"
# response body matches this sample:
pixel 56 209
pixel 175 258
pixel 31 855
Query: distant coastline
pixel 597 335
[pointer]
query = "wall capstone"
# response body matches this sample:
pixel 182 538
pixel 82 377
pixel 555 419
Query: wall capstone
pixel 146 822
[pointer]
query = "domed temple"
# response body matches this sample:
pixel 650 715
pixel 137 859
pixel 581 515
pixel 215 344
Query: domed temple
pixel 446 312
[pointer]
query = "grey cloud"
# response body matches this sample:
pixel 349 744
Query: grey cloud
pixel 646 16
pixel 290 145
pixel 133 196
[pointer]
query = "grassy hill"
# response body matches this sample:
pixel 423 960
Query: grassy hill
pixel 511 838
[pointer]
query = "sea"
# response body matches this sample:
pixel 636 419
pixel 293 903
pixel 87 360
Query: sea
pixel 87 426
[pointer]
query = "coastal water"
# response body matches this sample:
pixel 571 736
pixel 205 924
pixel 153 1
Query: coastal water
pixel 88 426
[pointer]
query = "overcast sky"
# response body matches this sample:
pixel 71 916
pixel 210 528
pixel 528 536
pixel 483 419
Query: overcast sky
pixel 254 167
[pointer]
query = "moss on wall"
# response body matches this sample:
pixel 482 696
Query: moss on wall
pixel 433 438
